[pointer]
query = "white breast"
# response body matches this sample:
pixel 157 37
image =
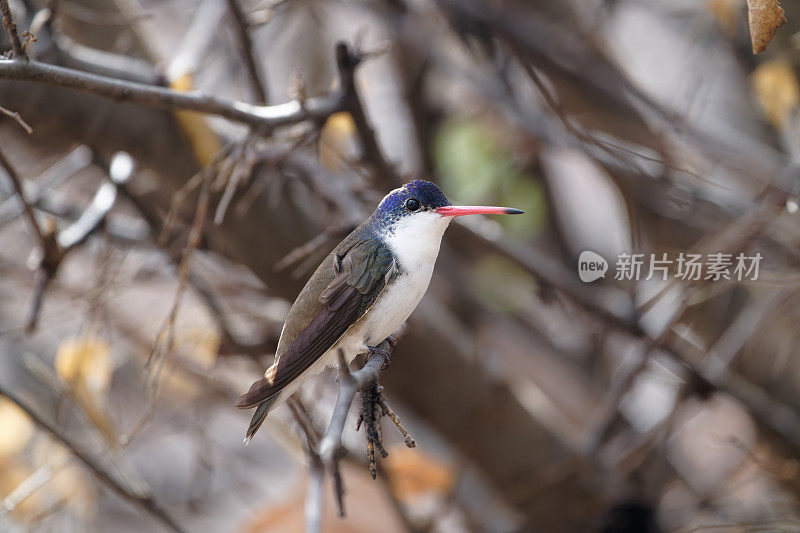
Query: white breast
pixel 415 242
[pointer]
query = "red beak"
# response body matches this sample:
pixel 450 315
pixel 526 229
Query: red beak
pixel 461 210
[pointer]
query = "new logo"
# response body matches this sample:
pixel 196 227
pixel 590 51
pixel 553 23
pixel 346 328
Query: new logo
pixel 591 266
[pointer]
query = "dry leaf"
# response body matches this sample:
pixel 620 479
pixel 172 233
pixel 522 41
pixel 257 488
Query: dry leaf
pixel 69 482
pixel 337 141
pixel 765 17
pixel 84 365
pixel 777 90
pixel 85 362
pixel 201 344
pixel 413 473
pixel 205 143
pixel 71 485
pixel 17 429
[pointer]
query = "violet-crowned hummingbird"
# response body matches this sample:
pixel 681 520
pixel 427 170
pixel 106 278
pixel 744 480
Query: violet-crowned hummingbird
pixel 361 293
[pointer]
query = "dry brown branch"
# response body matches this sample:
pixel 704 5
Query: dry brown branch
pixel 246 49
pixel 555 49
pixel 53 245
pixel 18 118
pixel 143 502
pixel 316 468
pixel 347 61
pixel 11 28
pixel 51 253
pixel 735 236
pixel 27 209
pixel 314 109
pixel 156 225
pixel 305 250
pixel 164 343
pixel 325 453
pixel 55 175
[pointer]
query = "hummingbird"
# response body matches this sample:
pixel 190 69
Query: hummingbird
pixel 361 292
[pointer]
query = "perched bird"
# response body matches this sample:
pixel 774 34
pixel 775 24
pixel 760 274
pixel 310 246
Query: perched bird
pixel 361 293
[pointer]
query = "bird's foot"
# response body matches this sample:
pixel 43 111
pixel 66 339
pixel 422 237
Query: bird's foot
pixel 370 416
pixel 374 407
pixel 385 353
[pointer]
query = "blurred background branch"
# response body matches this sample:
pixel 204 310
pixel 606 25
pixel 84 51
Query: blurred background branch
pixel 180 183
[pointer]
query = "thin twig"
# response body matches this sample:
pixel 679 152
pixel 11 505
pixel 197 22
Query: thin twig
pixel 145 503
pixel 164 343
pixel 316 474
pixel 246 49
pixel 229 344
pixel 20 189
pixel 51 253
pixel 54 176
pixel 304 250
pixel 91 218
pixel 11 28
pixel 313 109
pixel 54 246
pixel 18 118
pixel 347 62
pixel 304 421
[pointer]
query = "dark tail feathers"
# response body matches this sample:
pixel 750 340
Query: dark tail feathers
pixel 258 418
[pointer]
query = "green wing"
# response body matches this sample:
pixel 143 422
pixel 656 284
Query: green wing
pixel 361 273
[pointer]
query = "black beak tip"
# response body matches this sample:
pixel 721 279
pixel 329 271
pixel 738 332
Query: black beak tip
pixel 512 211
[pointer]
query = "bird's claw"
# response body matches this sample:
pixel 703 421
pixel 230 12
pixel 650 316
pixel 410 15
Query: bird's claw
pixel 373 408
pixel 370 416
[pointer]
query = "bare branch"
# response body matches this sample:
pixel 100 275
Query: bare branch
pixel 349 384
pixel 11 28
pixel 54 246
pixel 145 503
pixel 313 506
pixel 246 49
pixel 314 109
pixel 29 214
pixel 35 190
pixel 326 453
pixel 51 252
pixel 347 62
pixel 59 244
pixel 18 118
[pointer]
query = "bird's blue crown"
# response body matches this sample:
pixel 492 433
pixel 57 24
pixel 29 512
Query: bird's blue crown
pixel 414 196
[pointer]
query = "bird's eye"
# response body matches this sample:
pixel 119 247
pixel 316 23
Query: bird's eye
pixel 412 204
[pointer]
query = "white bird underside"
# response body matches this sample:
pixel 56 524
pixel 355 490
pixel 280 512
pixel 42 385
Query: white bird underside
pixel 414 242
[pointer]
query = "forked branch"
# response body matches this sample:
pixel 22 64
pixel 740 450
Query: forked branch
pixel 325 453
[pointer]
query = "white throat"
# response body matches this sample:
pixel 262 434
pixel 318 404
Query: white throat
pixel 415 239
